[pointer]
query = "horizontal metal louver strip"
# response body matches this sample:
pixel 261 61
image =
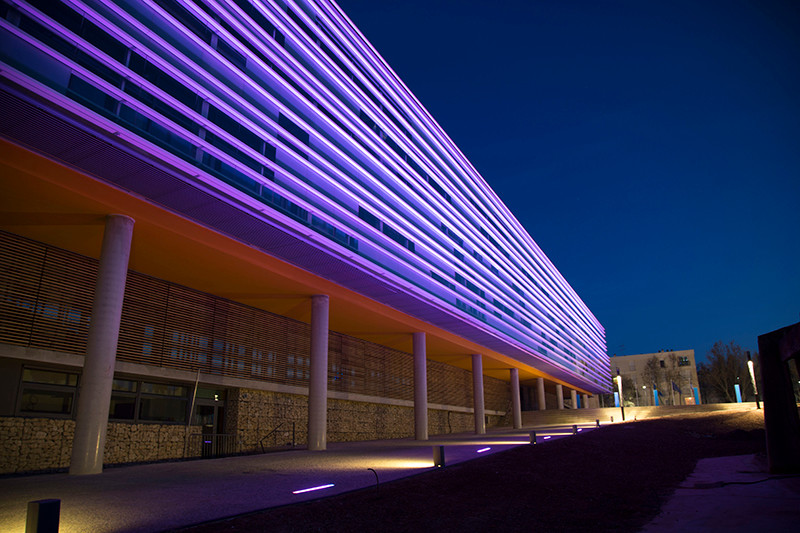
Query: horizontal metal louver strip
pixel 172 326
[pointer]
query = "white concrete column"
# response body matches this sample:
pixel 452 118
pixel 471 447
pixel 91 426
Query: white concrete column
pixel 94 399
pixel 585 401
pixel 540 393
pixel 516 405
pixel 318 378
pixel 560 395
pixel 420 387
pixel 477 394
pixel 573 395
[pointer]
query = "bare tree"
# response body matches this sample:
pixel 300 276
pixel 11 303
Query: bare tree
pixel 628 391
pixel 725 367
pixel 650 374
pixel 672 375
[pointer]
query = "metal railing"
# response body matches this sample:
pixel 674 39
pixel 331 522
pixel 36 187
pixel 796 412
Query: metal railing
pixel 279 431
pixel 212 445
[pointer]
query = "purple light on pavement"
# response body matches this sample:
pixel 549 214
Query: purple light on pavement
pixel 484 450
pixel 320 487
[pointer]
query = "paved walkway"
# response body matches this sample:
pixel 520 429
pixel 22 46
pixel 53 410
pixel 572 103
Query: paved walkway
pixel 155 497
pixel 732 495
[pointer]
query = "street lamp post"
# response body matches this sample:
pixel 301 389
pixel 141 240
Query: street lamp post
pixel 753 378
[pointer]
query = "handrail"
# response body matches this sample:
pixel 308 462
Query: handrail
pixel 274 430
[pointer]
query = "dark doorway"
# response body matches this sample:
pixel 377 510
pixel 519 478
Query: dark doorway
pixel 209 414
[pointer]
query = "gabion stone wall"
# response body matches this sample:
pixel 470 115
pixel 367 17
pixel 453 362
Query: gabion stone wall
pixel 253 415
pixel 45 444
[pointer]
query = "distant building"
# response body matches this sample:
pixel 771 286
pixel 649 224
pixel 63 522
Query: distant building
pixel 673 374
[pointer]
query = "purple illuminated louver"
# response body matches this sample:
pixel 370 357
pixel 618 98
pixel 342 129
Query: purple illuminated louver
pixel 280 125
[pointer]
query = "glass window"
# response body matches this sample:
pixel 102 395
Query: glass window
pixel 156 409
pixel 289 125
pixel 371 219
pixel 104 41
pixel 124 385
pixel 163 81
pixel 47 391
pixel 211 394
pixel 31 375
pixel 47 401
pixel 123 407
pixel 186 18
pixel 163 389
pixel 229 53
pixel 91 94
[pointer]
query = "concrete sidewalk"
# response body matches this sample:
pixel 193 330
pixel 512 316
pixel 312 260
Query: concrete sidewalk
pixel 155 497
pixel 731 494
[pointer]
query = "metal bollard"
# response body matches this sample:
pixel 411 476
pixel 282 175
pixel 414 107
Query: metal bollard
pixel 43 516
pixel 612 419
pixel 533 437
pixel 438 456
pixel 574 429
pixel 597 420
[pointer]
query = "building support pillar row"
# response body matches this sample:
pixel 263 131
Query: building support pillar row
pixel 573 395
pixel 420 387
pixel 560 395
pixel 540 394
pixel 91 422
pixel 516 405
pixel 318 378
pixel 477 394
pixel 585 401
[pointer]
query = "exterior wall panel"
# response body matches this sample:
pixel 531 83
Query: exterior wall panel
pixel 166 325
pixel 286 118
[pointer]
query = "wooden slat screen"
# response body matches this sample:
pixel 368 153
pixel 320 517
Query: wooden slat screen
pixel 46 298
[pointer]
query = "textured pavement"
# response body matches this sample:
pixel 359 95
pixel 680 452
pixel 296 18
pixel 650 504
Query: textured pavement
pixel 156 497
pixel 732 494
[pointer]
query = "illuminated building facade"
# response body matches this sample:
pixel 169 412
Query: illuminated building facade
pixel 668 377
pixel 286 210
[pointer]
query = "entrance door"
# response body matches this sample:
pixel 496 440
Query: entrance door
pixel 210 418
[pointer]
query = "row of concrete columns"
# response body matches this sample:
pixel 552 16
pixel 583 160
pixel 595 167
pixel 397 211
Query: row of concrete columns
pixel 559 396
pixel 98 374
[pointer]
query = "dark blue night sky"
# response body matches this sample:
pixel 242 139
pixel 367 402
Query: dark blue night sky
pixel 651 148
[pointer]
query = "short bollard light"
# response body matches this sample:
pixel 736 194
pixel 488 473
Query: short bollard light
pixel 533 437
pixel 43 516
pixel 574 429
pixel 438 456
pixel 597 421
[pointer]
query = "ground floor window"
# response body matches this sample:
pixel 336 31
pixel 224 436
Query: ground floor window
pixel 50 392
pixel 143 401
pixel 47 392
